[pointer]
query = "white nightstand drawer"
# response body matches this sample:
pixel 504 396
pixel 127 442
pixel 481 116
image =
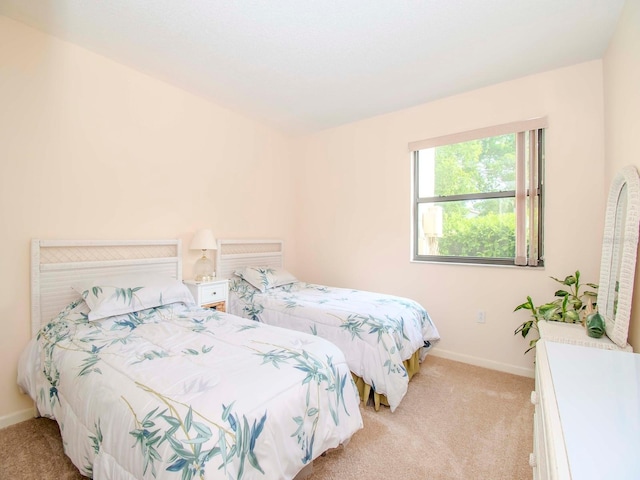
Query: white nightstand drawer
pixel 213 293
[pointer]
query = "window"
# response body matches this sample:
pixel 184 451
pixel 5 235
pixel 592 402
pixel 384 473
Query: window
pixel 477 196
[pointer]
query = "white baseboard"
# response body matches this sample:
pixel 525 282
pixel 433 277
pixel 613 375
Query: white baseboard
pixel 482 362
pixel 17 417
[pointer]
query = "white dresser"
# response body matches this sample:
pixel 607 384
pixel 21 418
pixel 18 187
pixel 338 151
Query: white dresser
pixel 587 413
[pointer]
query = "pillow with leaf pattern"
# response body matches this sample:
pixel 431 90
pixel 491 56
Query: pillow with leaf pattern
pixel 123 294
pixel 264 278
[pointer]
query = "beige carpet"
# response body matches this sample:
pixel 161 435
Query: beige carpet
pixel 456 422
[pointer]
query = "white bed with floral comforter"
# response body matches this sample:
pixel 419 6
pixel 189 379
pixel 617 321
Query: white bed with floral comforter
pixel 178 392
pixel 376 332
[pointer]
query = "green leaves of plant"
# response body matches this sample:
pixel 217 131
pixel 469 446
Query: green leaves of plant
pixel 527 305
pixel 524 328
pixel 568 305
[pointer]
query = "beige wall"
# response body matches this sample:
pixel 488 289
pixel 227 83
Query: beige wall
pixel 354 195
pixel 622 115
pixel 92 149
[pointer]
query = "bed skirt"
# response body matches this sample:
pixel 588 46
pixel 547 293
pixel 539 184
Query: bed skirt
pixel 412 364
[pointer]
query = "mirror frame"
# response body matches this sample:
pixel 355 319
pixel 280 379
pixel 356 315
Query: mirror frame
pixel 625 247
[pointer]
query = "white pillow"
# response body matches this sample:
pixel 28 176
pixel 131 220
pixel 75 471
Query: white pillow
pixel 264 278
pixel 123 294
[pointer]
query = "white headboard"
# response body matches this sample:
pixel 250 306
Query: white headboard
pixel 58 264
pixel 234 254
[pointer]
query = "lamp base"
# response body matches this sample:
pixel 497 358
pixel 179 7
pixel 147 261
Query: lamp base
pixel 205 278
pixel 204 269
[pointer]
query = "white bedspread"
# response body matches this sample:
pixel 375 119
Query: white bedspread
pixel 376 332
pixel 179 393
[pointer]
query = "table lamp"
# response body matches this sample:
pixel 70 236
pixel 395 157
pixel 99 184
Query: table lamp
pixel 204 268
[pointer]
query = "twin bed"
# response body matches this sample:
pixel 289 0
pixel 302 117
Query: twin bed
pixel 384 337
pixel 145 385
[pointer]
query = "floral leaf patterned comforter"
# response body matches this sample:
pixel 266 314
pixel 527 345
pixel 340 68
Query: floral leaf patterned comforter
pixel 178 392
pixel 376 332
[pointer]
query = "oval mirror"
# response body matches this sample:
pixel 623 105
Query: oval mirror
pixel 619 249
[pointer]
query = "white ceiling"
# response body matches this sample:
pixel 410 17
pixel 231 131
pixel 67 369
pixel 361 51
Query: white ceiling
pixel 303 66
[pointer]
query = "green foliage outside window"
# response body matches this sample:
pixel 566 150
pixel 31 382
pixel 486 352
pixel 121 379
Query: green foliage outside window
pixel 477 228
pixel 490 235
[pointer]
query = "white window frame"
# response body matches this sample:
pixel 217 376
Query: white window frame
pixel 528 194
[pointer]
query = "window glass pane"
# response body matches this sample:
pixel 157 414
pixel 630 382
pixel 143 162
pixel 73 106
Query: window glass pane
pixel 478 166
pixel 472 228
pixel 465 224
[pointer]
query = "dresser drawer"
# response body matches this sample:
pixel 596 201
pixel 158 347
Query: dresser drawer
pixel 213 293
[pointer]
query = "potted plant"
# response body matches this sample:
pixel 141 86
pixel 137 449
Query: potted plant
pixel 570 306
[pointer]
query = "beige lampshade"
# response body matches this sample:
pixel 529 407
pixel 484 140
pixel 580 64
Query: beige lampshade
pixel 203 240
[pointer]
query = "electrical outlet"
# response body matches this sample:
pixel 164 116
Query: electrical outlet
pixel 480 317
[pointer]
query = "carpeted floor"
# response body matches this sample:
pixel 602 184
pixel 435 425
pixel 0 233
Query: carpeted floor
pixel 456 422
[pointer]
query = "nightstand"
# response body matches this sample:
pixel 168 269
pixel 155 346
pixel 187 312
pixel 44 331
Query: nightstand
pixel 212 294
